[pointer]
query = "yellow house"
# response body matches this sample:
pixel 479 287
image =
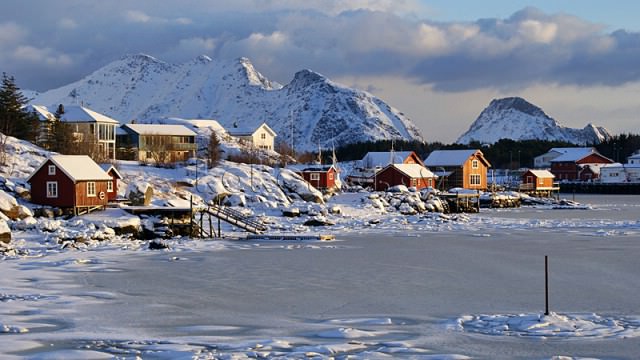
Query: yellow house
pixel 262 137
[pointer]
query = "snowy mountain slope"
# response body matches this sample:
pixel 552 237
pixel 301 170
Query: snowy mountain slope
pixel 515 118
pixel 311 109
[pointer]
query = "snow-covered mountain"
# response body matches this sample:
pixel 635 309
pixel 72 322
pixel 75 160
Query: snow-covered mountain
pixel 517 119
pixel 311 109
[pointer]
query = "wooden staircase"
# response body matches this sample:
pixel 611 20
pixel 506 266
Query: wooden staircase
pixel 235 218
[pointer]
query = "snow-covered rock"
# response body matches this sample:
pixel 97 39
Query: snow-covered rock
pixel 295 184
pixel 5 232
pixel 311 108
pixel 9 205
pixel 140 193
pixel 515 118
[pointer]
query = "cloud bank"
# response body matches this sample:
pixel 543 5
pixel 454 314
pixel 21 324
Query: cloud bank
pixel 338 38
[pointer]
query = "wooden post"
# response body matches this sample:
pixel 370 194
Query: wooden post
pixel 546 285
pixel 211 231
pixel 191 216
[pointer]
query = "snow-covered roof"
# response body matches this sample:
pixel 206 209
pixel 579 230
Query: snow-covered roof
pixel 635 156
pixel 76 167
pixel 595 168
pixel 310 167
pixel 573 154
pixel 414 170
pixel 542 173
pixel 160 129
pixel 80 114
pixel 109 167
pixel 245 130
pixel 448 157
pixel 383 158
pixel 43 113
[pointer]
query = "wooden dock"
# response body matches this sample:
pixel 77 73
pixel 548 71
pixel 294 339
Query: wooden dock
pixel 291 237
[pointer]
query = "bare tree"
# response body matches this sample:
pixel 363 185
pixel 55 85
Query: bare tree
pixel 159 148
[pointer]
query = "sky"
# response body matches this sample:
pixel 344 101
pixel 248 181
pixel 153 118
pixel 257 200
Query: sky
pixel 440 62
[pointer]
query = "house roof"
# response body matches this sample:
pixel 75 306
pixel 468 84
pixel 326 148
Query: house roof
pixel 247 130
pixel 108 167
pixel 43 113
pixel 412 170
pixel 635 156
pixel 311 167
pixel 573 154
pixel 160 129
pixel 76 167
pixel 80 114
pixel 542 173
pixel 383 158
pixel 449 157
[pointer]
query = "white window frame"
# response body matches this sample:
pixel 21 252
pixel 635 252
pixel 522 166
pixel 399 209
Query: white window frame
pixel 110 186
pixel 51 170
pixel 475 164
pixel 314 177
pixel 52 189
pixel 330 176
pixel 474 177
pixel 263 136
pixel 91 185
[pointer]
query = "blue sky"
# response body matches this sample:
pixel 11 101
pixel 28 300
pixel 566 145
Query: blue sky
pixel 440 62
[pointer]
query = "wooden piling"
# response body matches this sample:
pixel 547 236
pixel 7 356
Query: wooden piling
pixel 546 285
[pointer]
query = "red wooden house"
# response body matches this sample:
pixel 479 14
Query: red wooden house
pixel 410 175
pixel 322 177
pixel 460 168
pixel 569 165
pixel 70 181
pixel 112 186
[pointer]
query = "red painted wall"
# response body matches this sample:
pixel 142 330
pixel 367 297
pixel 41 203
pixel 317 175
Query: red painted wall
pixel 390 176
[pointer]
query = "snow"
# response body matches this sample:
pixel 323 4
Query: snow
pixel 414 170
pixel 542 173
pixel 396 282
pixel 160 129
pixel 448 157
pixel 309 111
pixel 515 118
pixel 572 154
pixel 77 167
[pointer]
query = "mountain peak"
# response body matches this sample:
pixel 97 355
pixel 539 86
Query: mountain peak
pixel 517 119
pixel 517 103
pixel 139 58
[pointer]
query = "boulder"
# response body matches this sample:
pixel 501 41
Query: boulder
pixel 9 206
pixel 140 194
pixel 5 232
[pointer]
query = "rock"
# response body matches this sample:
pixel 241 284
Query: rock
pixel 140 194
pixel 335 210
pixel 24 212
pixel 235 200
pixel 157 245
pixel 9 205
pixel 291 212
pixel 318 221
pixel 23 193
pixel 398 189
pixel 5 232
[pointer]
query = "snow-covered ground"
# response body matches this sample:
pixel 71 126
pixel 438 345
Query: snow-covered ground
pixel 390 286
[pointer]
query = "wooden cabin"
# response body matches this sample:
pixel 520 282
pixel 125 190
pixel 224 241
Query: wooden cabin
pixel 459 168
pixel 538 181
pixel 410 175
pixel 322 177
pixel 112 186
pixel 262 136
pixel 374 161
pixel 73 182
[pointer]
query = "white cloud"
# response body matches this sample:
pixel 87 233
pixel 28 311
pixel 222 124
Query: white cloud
pixel 11 33
pixel 42 56
pixel 137 16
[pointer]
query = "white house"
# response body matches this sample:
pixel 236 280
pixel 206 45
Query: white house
pixel 262 137
pixel 622 173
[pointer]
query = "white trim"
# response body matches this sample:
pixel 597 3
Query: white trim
pixel 51 170
pixel 89 192
pixel 110 186
pixel 52 194
pixel 314 176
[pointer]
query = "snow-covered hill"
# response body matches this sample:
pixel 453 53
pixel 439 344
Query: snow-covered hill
pixel 515 118
pixel 311 109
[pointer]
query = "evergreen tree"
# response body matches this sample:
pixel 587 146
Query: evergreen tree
pixel 213 150
pixel 14 119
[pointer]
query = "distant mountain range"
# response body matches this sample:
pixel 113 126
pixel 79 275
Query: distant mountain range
pixel 515 118
pixel 308 112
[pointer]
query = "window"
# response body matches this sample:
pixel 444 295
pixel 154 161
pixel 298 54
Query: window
pixel 263 136
pixel 474 164
pixel 474 179
pixel 52 189
pixel 314 176
pixel 52 169
pixel 91 188
pixel 330 176
pixel 109 186
pixel 540 181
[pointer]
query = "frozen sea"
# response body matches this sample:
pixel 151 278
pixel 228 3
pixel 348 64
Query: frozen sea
pixel 470 290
